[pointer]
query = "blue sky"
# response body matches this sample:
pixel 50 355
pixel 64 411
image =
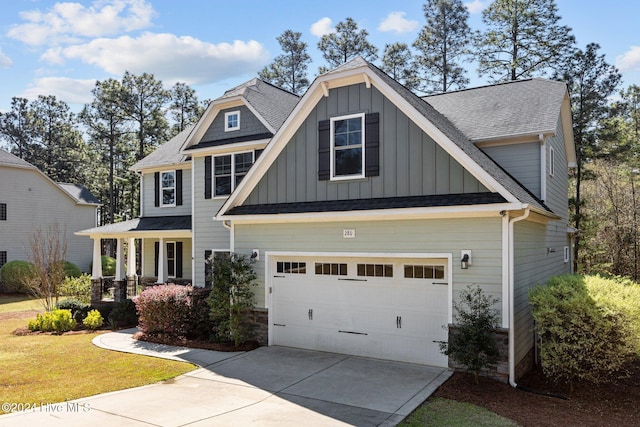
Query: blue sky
pixel 62 48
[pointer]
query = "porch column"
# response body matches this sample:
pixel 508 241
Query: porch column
pixel 162 261
pixel 131 259
pixel 96 269
pixel 119 259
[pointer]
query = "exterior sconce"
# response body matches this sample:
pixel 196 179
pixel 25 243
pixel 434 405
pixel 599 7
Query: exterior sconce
pixel 255 255
pixel 464 262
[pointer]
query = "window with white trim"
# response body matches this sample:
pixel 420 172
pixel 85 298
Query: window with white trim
pixel 567 254
pixel 168 188
pixel 347 146
pixel 171 259
pixel 552 161
pixel 229 170
pixel 231 121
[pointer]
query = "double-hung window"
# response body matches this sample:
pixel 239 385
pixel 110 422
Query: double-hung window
pixel 231 121
pixel 168 188
pixel 229 170
pixel 347 146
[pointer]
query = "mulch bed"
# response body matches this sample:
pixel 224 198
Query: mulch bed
pixel 614 404
pixel 226 346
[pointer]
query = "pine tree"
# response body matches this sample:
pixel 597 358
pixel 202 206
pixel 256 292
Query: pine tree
pixel 398 63
pixel 289 70
pixel 442 44
pixel 346 44
pixel 185 108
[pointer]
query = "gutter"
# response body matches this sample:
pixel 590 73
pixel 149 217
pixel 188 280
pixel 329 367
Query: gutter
pixel 512 346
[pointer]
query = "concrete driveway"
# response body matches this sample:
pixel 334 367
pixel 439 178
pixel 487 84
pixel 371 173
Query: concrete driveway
pixel 270 386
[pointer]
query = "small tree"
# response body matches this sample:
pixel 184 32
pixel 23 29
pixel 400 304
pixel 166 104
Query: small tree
pixel 474 343
pixel 231 298
pixel 48 250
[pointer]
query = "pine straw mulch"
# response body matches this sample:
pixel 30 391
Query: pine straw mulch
pixel 551 404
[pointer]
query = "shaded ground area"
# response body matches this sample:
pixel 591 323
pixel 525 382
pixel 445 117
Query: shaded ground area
pixel 616 404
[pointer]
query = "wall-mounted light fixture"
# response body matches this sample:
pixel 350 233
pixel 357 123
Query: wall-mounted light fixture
pixel 465 259
pixel 255 255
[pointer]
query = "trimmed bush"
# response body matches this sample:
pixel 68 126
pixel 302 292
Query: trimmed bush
pixel 71 270
pixel 15 275
pixel 43 322
pixel 93 320
pixel 77 287
pixel 164 311
pixel 588 327
pixel 123 315
pixel 79 309
pixel 56 320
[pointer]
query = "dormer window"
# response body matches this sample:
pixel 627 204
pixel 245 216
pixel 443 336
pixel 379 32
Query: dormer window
pixel 231 121
pixel 168 188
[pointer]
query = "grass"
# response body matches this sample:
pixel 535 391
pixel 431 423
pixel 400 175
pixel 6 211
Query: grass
pixel 15 302
pixel 444 412
pixel 56 368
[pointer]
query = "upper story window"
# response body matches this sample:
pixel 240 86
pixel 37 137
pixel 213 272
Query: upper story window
pixel 168 188
pixel 3 211
pixel 231 121
pixel 347 147
pixel 229 170
pixel 552 161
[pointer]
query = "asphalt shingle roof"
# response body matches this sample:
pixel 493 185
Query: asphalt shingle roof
pixel 8 159
pixel 155 223
pixel 80 193
pixel 167 153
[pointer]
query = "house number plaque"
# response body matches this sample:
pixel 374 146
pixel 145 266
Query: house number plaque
pixel 349 233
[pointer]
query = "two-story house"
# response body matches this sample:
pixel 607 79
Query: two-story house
pixel 369 208
pixel 30 200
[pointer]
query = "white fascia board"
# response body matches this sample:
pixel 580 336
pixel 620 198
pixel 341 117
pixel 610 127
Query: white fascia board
pixel 165 167
pixel 567 130
pixel 229 148
pixel 207 118
pixel 468 211
pixel 154 234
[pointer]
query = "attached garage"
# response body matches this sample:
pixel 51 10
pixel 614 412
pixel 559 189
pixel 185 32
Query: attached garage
pixel 387 306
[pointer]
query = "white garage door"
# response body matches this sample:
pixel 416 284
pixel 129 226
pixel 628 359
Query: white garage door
pixel 388 308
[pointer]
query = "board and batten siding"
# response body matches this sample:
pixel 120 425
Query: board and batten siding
pixel 35 202
pixel 249 125
pixel 148 198
pixel 411 163
pixel 481 235
pixel 208 234
pixel 522 161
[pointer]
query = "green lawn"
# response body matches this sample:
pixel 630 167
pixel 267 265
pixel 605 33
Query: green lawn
pixel 439 412
pixel 56 368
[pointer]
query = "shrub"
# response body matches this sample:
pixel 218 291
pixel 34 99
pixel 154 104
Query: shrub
pixel 71 270
pixel 123 315
pixel 199 325
pixel 43 322
pixel 108 265
pixel 164 311
pixel 56 320
pixel 586 332
pixel 474 342
pixel 77 287
pixel 79 309
pixel 93 320
pixel 231 299
pixel 15 276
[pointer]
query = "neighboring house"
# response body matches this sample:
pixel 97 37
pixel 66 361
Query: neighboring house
pixel 30 200
pixel 370 208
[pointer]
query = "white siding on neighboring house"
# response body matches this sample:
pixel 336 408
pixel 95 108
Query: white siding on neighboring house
pixel 35 202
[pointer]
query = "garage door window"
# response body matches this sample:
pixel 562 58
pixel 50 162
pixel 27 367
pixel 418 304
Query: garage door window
pixel 331 269
pixel 424 271
pixel 291 267
pixel 375 270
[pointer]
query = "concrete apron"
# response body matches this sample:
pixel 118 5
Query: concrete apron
pixel 270 386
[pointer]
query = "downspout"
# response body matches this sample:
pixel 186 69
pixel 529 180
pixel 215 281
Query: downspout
pixel 229 226
pixel 512 344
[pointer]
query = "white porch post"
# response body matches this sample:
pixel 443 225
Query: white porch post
pixel 119 259
pixel 162 261
pixel 96 269
pixel 131 261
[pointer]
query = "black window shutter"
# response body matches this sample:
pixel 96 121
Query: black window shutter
pixel 324 150
pixel 372 144
pixel 178 259
pixel 157 251
pixel 156 188
pixel 207 268
pixel 207 177
pixel 179 187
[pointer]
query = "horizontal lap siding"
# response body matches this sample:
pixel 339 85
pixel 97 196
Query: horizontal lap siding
pixel 148 198
pixel 149 257
pixel 522 161
pixel 35 202
pixel 481 235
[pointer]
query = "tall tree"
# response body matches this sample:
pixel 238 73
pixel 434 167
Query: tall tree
pixel 345 44
pixel 289 70
pixel 591 81
pixel 443 43
pixel 16 126
pixel 106 122
pixel 398 63
pixel 184 107
pixel 523 39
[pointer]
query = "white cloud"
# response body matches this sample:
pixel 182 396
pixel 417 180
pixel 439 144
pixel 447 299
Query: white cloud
pixel 322 27
pixel 71 91
pixel 396 22
pixel 5 61
pixel 630 61
pixel 166 56
pixel 67 22
pixel 475 6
